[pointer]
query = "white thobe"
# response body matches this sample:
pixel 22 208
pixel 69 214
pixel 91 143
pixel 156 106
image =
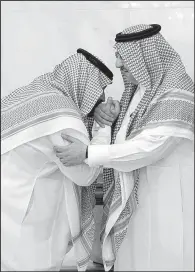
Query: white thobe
pixel 34 209
pixel 160 234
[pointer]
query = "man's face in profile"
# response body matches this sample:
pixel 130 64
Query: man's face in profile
pixel 101 99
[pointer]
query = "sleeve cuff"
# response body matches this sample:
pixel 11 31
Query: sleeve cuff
pixel 98 155
pixel 101 136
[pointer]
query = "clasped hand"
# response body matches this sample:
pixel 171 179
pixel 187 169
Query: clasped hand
pixel 75 152
pixel 106 113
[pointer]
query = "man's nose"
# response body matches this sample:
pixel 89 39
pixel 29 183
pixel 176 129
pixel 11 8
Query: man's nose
pixel 118 63
pixel 102 97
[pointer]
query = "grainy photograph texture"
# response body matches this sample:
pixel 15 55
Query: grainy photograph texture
pixel 97 136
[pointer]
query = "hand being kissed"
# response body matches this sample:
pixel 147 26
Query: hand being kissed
pixel 106 113
pixel 75 152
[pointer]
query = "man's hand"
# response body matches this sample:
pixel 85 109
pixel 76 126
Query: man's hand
pixel 72 154
pixel 106 113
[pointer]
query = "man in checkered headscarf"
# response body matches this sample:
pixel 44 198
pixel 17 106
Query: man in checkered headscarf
pixel 150 159
pixel 45 205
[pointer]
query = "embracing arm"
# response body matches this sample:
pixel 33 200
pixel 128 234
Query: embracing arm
pixel 74 152
pixel 81 174
pixel 143 150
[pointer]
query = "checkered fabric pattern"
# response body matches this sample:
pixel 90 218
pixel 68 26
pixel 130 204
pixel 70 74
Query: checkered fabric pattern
pixel 157 67
pixel 75 84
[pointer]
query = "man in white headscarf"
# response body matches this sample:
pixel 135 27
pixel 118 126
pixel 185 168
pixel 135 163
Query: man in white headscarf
pixel 44 205
pixel 150 159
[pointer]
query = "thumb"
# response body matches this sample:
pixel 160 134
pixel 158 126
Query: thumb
pixel 69 138
pixel 109 101
pixel 115 108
